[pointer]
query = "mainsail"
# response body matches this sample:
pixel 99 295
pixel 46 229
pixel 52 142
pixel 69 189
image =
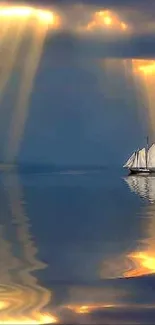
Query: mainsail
pixel 151 157
pixel 137 159
pixel 141 162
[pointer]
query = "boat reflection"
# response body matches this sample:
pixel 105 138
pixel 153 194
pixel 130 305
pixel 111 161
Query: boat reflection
pixel 22 299
pixel 142 185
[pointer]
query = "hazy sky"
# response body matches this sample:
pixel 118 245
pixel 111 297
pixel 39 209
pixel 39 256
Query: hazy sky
pixel 72 120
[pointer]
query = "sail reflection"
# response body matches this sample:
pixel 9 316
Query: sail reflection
pixel 22 299
pixel 144 186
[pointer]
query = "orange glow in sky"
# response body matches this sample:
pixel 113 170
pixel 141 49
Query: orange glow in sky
pixel 144 264
pixel 22 12
pixel 146 67
pixel 106 19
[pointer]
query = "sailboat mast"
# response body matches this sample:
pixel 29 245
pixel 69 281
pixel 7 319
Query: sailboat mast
pixel 146 151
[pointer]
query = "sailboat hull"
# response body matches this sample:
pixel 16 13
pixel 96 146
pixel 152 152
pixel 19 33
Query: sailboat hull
pixel 142 170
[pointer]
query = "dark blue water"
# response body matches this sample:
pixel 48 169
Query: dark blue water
pixel 79 246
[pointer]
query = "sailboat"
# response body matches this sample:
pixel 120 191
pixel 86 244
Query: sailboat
pixel 142 160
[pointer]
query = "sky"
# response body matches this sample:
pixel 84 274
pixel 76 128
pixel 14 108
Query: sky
pixel 72 120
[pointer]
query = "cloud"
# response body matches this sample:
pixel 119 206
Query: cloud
pixel 105 18
pixel 108 21
pixel 64 45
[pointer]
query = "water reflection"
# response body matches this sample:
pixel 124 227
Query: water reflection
pixel 140 260
pixel 144 257
pixel 142 185
pixel 22 299
pixel 92 272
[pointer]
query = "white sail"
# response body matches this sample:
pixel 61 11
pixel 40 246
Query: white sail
pixel 151 157
pixel 137 160
pixel 129 162
pixel 141 161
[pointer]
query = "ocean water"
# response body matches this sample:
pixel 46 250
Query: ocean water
pixel 79 246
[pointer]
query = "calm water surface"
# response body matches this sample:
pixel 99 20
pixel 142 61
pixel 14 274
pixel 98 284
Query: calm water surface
pixel 77 247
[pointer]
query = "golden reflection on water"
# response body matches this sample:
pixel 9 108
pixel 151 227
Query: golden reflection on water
pixel 144 264
pixel 22 299
pixel 87 309
pixel 144 259
pixel 141 261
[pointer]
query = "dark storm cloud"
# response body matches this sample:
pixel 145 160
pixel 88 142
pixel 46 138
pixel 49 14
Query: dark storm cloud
pixel 94 2
pixel 63 45
pixel 138 15
pixel 101 3
pixel 140 5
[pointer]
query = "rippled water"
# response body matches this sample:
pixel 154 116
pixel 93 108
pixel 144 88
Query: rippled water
pixel 77 248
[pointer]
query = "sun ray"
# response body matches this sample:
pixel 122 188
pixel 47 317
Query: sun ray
pixel 9 54
pixel 18 24
pixel 28 73
pixel 145 71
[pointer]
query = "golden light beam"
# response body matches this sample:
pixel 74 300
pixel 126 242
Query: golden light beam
pixel 16 12
pixel 15 24
pixel 121 87
pixel 118 82
pixel 145 71
pixel 138 93
pixel 9 50
pixel 20 113
pixel 5 25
